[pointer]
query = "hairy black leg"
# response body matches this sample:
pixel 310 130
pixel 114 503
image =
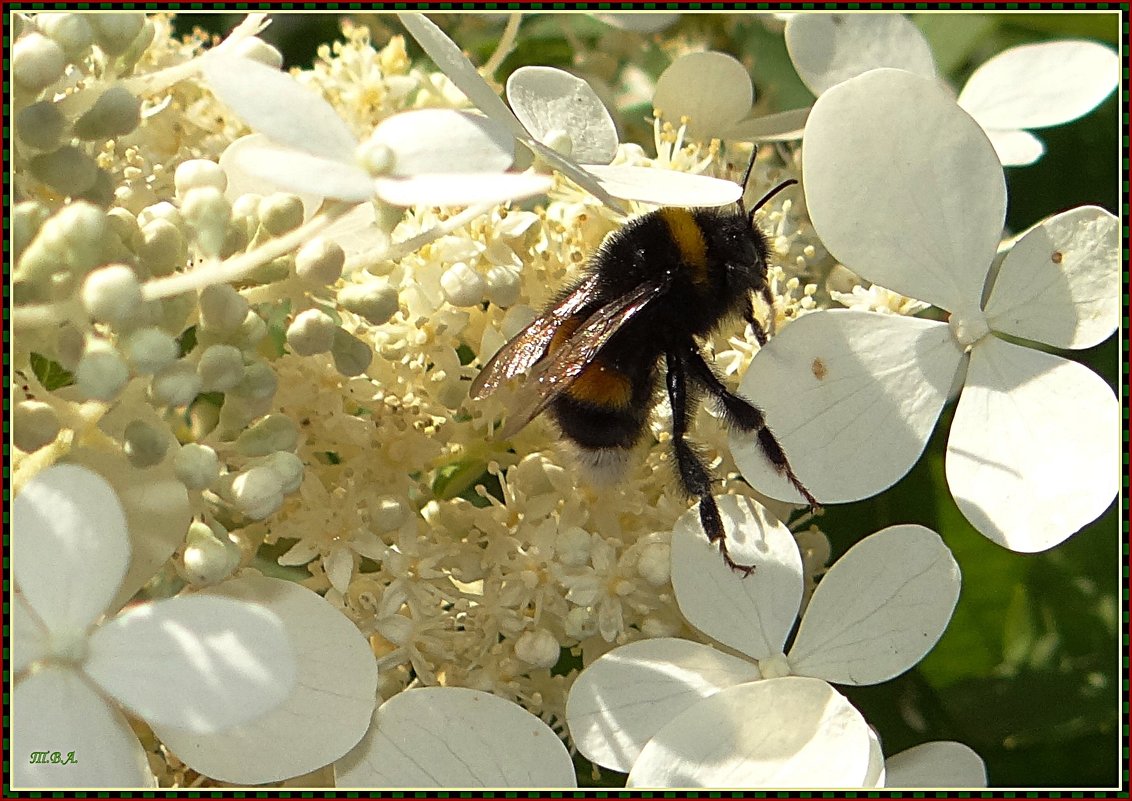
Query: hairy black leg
pixel 749 316
pixel 745 416
pixel 693 473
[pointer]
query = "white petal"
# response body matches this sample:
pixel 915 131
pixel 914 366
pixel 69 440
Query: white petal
pixel 1015 148
pixel 241 182
pixel 573 171
pixel 1060 283
pixel 851 396
pixel 324 717
pixel 339 566
pixel 29 639
pixel 356 231
pixel 876 774
pixel 788 732
pixel 456 737
pixel 830 48
pixel 919 206
pixel 439 140
pixel 196 662
pixel 879 609
pixel 664 187
pixel 55 710
pixel 781 127
pixel 680 92
pixel 276 105
pixel 70 547
pixel 1034 452
pixel 752 614
pixel 462 189
pixel 626 696
pixel 937 764
pixel 288 169
pixel 548 100
pixel 447 56
pixel 1038 85
pixel 640 23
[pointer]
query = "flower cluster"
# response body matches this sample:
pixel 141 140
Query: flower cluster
pixel 262 534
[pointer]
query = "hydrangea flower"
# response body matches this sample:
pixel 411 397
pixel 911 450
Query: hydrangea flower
pixel 1033 453
pixel 648 707
pixel 196 662
pixel 455 737
pixel 1029 86
pixel 539 96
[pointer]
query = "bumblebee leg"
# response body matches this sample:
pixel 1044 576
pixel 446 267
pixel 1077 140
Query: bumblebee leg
pixel 693 473
pixel 745 416
pixel 749 316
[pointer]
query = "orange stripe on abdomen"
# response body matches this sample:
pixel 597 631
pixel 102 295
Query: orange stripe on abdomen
pixel 600 385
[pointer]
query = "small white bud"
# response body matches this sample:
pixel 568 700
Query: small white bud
pixel 149 350
pixel 117 112
pixel 101 372
pixel 37 62
pixel 222 308
pixel 289 467
pixel 198 174
pixel 41 125
pixel 251 331
pixel 376 158
pixel 503 286
pixel 311 332
pixel 462 286
pixel 376 301
pixel 573 547
pixel 162 210
pixel 258 492
pixel 275 432
pixel 208 213
pixel 390 514
pixel 67 170
pixel 538 648
pixel 255 49
pixel 280 213
pixel 351 356
pixel 34 424
pixel 196 466
pixel 208 558
pixel 176 385
pixel 144 445
pixel 320 261
pixel 115 32
pixel 112 294
pixel 162 249
pixel 221 367
pixel 258 384
pixel 580 623
pixel 654 566
pixel 72 32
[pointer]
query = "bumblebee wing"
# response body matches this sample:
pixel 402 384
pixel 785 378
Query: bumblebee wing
pixel 530 344
pixel 554 374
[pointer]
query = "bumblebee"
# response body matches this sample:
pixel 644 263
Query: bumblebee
pixel 650 293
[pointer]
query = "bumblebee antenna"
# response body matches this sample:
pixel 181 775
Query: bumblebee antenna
pixel 747 177
pixel 766 198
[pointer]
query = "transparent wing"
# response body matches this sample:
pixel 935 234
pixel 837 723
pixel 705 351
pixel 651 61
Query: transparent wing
pixel 529 345
pixel 551 376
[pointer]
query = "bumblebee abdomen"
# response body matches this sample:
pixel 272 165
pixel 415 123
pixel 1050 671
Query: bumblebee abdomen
pixel 600 384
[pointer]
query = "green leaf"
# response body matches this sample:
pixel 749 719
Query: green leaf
pixel 50 373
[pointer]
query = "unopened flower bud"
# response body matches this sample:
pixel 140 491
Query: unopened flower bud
pixel 149 350
pixel 573 547
pixel 376 301
pixel 117 112
pixel 209 557
pixel 222 308
pixel 311 332
pixel 255 49
pixel 351 356
pixel 320 261
pixel 654 564
pixel 221 367
pixel 208 213
pixel 196 466
pixel 258 384
pixel 538 648
pixel 72 32
pixel 115 32
pixel 162 249
pixel 144 445
pixel 37 62
pixel 289 467
pixel 275 432
pixel 258 492
pixel 251 331
pixel 503 286
pixel 34 424
pixel 27 219
pixel 280 213
pixel 390 514
pixel 176 385
pixel 198 174
pixel 68 170
pixel 101 372
pixel 580 623
pixel 462 286
pixel 162 210
pixel 41 125
pixel 376 158
pixel 112 294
